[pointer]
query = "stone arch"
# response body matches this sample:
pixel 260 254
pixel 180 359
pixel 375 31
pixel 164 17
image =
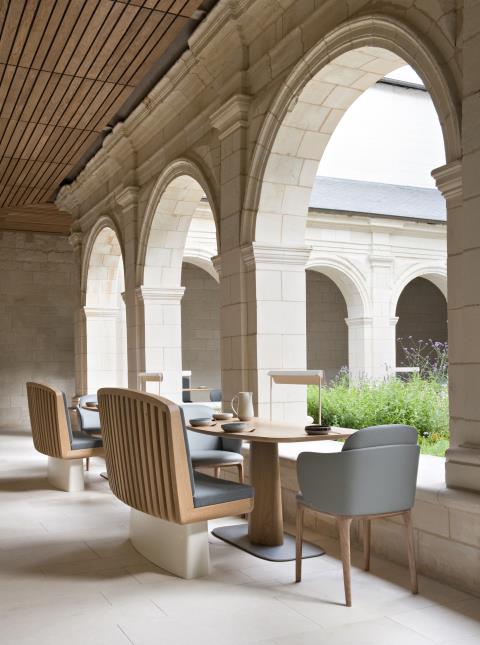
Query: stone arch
pixel 436 273
pixel 202 262
pixel 104 309
pixel 299 122
pixel 181 186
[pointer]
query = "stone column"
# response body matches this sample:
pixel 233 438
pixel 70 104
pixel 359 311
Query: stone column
pixel 360 333
pixel 462 467
pixel 101 330
pixel 277 324
pixel 383 326
pixel 80 328
pixel 163 336
pixel 231 123
pixel 128 201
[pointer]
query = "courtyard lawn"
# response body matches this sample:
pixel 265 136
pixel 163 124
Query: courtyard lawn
pixel 419 402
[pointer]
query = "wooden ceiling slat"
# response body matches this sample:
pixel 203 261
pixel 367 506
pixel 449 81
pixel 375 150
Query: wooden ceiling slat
pixel 66 68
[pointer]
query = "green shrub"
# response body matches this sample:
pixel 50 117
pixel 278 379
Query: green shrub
pixel 419 402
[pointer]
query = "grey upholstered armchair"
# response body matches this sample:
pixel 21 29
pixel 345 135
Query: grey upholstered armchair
pixel 209 451
pixel 374 476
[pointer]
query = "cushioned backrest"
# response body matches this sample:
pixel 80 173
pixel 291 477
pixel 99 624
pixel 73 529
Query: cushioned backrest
pixel 196 440
pixel 88 419
pixel 387 435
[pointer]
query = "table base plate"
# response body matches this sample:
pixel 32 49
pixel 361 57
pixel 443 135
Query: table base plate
pixel 237 535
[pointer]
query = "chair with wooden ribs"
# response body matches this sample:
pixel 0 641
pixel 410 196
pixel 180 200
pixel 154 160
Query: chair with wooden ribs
pixel 149 469
pixel 374 476
pixel 53 436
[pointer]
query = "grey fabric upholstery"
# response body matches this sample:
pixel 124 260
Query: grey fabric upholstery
pixel 211 490
pixel 89 420
pixel 78 439
pixel 214 458
pixel 201 442
pixel 215 395
pixel 393 434
pixel 378 478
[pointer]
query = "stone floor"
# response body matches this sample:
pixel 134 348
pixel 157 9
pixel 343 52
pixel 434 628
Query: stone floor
pixel 69 574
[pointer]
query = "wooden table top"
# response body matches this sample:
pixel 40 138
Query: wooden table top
pixel 273 432
pixel 200 388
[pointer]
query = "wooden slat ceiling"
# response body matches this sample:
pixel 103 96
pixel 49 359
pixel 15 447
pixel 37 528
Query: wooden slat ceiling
pixel 66 68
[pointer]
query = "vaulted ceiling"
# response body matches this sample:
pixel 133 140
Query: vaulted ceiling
pixel 66 69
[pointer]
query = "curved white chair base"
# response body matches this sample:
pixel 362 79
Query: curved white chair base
pixel 66 474
pixel 181 549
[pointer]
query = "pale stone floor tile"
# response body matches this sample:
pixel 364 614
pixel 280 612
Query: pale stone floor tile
pixel 68 572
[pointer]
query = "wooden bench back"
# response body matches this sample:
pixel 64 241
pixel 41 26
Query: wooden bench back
pixel 145 451
pixel 48 419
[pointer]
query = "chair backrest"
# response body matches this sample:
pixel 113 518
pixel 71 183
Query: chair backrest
pixel 146 452
pixel 386 435
pixel 49 419
pixel 89 420
pixel 215 396
pixel 196 440
pixel 186 383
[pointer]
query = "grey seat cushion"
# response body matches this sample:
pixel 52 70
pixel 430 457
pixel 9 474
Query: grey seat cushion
pixel 214 457
pixel 82 440
pixel 210 491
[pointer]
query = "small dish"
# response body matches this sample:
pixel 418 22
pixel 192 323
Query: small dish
pixel 236 426
pixel 316 428
pixel 198 423
pixel 223 416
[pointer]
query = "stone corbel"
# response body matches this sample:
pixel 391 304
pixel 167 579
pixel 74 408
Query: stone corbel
pixel 160 295
pixel 449 182
pixel 233 114
pixel 261 254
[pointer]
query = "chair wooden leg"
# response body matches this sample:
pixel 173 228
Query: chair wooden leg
pixel 217 471
pixel 367 531
pixel 87 463
pixel 241 474
pixel 298 543
pixel 407 517
pixel 344 530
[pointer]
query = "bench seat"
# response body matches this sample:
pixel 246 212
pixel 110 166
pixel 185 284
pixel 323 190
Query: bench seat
pixel 212 490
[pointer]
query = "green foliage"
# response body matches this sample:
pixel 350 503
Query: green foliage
pixel 419 402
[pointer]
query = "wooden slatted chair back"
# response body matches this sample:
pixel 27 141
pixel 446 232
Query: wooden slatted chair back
pixel 146 453
pixel 48 420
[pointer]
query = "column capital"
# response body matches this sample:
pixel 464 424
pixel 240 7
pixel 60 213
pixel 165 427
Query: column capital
pixel 363 321
pixel 101 312
pixel 217 264
pixel 233 114
pixel 128 197
pixel 160 295
pixel 76 240
pixel 449 180
pixel 260 254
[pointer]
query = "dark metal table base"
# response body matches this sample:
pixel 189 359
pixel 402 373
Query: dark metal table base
pixel 237 535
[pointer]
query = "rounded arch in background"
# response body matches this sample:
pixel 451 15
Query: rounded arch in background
pixel 311 102
pixel 181 192
pixel 105 316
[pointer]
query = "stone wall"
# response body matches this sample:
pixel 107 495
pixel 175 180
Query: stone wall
pixel 38 288
pixel 201 326
pixel 422 314
pixel 327 333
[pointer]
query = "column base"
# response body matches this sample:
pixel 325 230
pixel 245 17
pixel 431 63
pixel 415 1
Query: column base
pixel 462 467
pixel 181 549
pixel 66 474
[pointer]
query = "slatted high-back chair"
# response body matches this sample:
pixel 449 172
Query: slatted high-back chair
pixel 53 436
pixel 149 469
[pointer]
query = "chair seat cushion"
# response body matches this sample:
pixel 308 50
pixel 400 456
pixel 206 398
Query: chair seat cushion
pixel 214 458
pixel 82 440
pixel 211 490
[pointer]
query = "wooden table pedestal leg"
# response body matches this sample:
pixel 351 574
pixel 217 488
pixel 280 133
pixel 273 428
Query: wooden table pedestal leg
pixel 266 520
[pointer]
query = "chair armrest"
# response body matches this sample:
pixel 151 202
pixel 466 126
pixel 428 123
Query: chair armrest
pixel 360 482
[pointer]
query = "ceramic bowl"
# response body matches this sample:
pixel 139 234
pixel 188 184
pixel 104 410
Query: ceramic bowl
pixel 316 428
pixel 197 423
pixel 223 416
pixel 236 426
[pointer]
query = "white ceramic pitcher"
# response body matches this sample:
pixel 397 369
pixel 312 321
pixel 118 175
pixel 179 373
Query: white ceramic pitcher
pixel 244 411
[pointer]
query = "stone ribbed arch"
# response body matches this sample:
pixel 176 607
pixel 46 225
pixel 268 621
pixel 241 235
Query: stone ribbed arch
pixel 175 198
pixel 435 273
pixel 310 103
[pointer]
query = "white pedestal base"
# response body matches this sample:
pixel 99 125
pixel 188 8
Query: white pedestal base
pixel 66 474
pixel 179 549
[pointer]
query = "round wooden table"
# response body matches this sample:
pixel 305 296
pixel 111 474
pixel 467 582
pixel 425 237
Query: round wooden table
pixel 265 537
